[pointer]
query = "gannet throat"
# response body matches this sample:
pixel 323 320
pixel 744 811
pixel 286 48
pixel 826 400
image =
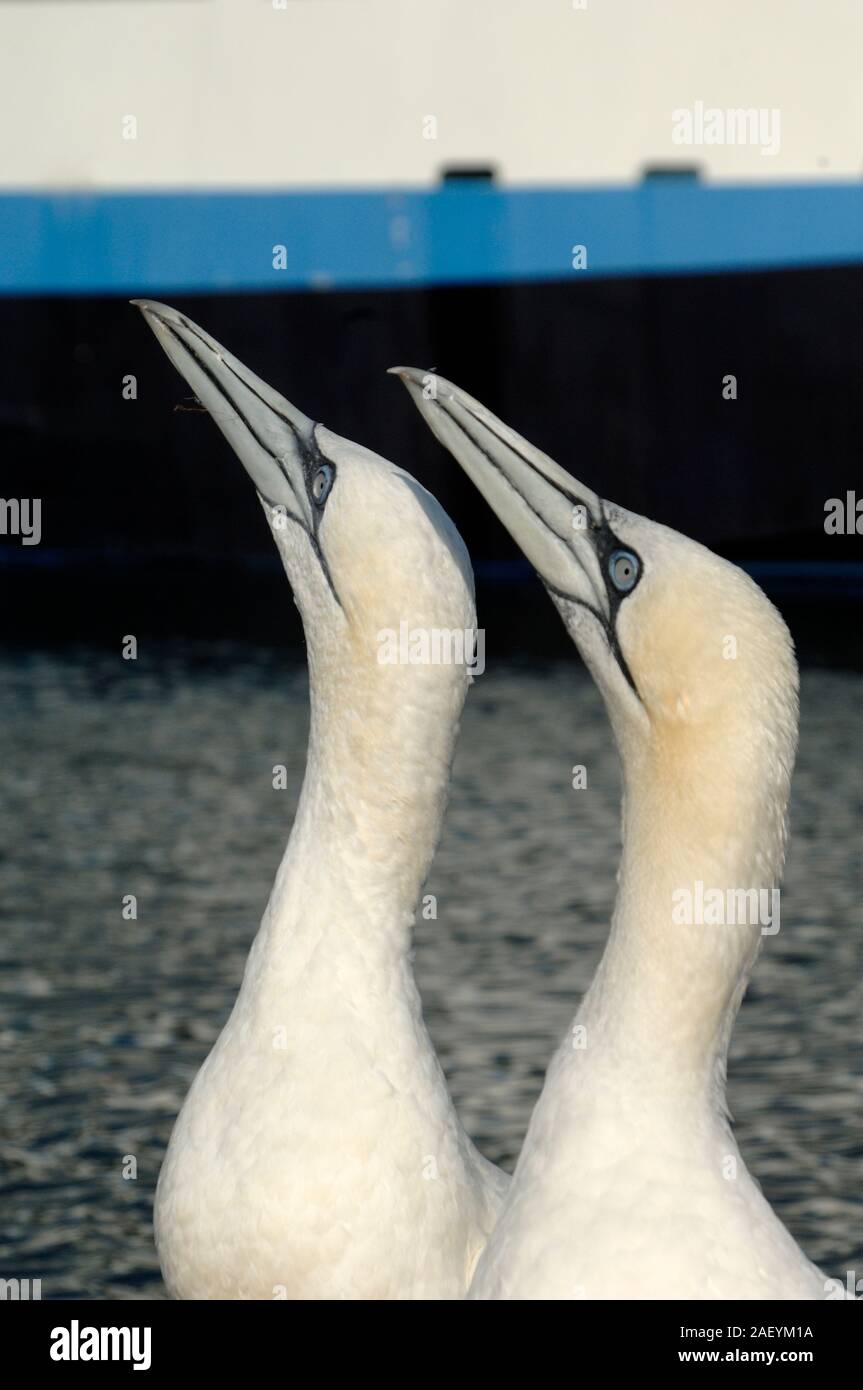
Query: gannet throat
pixel 630 1183
pixel 318 1154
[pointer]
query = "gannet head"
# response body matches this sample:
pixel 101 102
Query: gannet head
pixel 695 664
pixel 362 541
pixel 377 569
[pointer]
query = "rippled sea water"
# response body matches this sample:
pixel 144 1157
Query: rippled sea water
pixel 155 778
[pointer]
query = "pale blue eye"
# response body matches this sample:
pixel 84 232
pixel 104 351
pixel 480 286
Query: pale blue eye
pixel 623 569
pixel 322 482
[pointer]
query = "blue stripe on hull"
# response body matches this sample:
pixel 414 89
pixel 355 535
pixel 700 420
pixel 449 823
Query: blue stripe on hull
pixel 189 241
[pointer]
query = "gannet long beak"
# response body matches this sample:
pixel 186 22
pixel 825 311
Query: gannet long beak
pixel 274 441
pixel 560 524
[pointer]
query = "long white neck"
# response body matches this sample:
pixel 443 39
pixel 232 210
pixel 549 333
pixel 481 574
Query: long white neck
pixel 366 828
pixel 661 1007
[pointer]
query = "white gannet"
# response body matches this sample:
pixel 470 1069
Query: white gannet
pixel 318 1154
pixel 630 1183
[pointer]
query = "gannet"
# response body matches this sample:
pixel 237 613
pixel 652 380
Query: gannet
pixel 630 1183
pixel 318 1154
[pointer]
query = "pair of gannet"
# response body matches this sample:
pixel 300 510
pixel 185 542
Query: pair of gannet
pixel 318 1154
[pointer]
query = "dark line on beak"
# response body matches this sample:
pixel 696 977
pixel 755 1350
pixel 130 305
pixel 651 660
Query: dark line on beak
pixel 564 492
pixel 234 407
pixel 601 526
pixel 274 506
pixel 608 629
pixel 258 397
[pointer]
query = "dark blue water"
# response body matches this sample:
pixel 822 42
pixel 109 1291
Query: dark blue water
pixel 154 778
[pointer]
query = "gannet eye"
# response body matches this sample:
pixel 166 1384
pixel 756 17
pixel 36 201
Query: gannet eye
pixel 624 569
pixel 322 482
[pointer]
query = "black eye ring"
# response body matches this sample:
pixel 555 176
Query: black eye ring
pixel 322 481
pixel 624 569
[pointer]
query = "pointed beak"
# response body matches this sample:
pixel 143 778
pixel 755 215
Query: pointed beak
pixel 558 523
pixel 274 441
